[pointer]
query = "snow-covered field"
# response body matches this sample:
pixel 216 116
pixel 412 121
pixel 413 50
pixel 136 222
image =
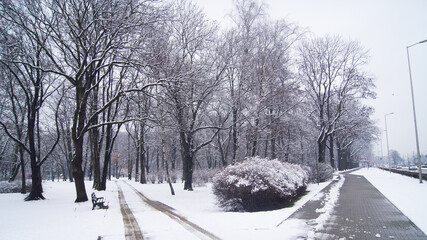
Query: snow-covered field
pixel 58 217
pixel 404 192
pixel 199 207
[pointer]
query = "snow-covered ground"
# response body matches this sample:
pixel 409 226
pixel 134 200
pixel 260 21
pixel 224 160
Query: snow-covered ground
pixel 58 217
pixel 199 207
pixel 404 192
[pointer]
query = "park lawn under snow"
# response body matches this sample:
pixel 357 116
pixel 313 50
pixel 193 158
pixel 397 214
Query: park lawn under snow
pixel 199 206
pixel 406 193
pixel 58 217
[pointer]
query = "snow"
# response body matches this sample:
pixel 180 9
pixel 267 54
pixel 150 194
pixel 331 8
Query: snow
pixel 331 198
pixel 199 206
pixel 58 217
pixel 406 193
pixel 330 202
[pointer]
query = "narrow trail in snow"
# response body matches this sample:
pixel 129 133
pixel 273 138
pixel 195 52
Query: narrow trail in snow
pixel 169 211
pixel 132 230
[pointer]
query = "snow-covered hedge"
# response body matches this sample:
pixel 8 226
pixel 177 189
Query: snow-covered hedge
pixel 324 171
pixel 13 187
pixel 259 184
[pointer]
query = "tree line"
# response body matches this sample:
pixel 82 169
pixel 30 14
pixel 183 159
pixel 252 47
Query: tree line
pixel 90 86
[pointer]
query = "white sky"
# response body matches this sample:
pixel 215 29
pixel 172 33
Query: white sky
pixel 385 28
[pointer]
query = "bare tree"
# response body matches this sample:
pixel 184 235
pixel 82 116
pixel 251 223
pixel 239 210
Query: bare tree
pixel 85 41
pixel 24 59
pixel 193 78
pixel 355 131
pixel 331 71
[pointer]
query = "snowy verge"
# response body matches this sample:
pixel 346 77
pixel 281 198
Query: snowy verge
pixel 406 193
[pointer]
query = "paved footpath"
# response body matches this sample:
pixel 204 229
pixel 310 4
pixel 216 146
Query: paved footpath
pixel 362 212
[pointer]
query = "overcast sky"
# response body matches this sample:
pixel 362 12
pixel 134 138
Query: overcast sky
pixel 385 28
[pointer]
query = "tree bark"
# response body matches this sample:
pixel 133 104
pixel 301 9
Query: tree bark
pixel 321 144
pixel 36 187
pixel 95 158
pixel 331 150
pixel 106 170
pixel 143 178
pixel 187 161
pixel 165 162
pixel 77 137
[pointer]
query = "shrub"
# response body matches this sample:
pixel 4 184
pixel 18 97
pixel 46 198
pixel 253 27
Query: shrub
pixel 13 187
pixel 325 171
pixel 203 176
pixel 259 184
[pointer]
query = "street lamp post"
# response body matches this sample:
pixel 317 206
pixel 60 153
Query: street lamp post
pixel 386 136
pixel 413 109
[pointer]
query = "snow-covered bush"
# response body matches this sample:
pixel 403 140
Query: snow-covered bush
pixel 311 177
pixel 322 171
pixel 259 184
pixel 203 176
pixel 13 187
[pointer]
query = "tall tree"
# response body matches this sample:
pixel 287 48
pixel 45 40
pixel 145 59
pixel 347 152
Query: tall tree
pixel 193 78
pixel 87 40
pixel 332 72
pixel 25 59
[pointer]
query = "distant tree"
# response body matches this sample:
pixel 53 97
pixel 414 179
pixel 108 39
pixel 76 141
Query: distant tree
pixel 355 132
pixel 395 157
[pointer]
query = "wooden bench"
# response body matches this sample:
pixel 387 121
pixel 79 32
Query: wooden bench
pixel 97 201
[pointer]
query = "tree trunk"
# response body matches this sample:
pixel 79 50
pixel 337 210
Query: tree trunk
pixel 106 170
pixel 234 136
pixel 36 187
pixel 187 161
pixel 17 164
pixel 78 173
pixel 36 179
pixel 23 180
pixel 130 164
pixel 77 137
pixel 143 178
pixel 340 156
pixel 255 138
pixel 221 151
pixel 321 144
pixel 138 155
pixel 331 150
pixel 168 179
pixel 69 155
pixel 95 158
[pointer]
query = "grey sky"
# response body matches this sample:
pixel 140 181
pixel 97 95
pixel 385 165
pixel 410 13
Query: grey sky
pixel 385 28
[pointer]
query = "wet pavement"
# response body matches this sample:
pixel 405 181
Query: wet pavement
pixel 361 212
